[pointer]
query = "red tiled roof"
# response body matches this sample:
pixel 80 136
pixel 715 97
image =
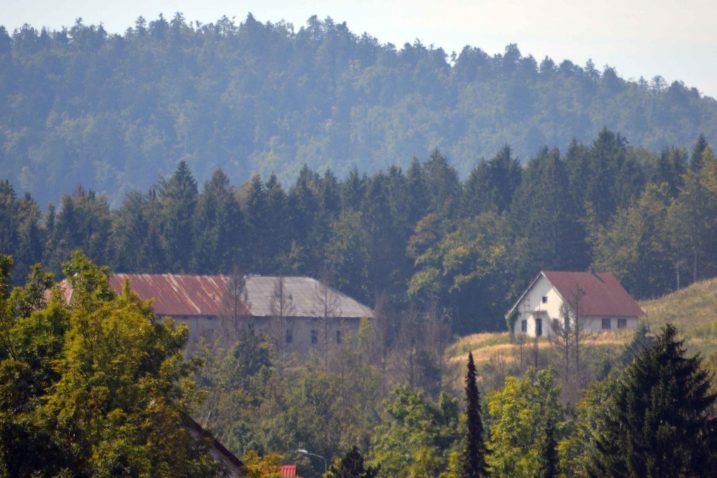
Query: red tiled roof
pixel 600 293
pixel 287 471
pixel 177 295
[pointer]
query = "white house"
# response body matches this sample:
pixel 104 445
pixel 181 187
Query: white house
pixel 597 299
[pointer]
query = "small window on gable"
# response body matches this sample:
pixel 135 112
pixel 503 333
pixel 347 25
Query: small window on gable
pixel 606 324
pixel 545 299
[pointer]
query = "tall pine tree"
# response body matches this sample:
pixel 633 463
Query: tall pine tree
pixel 474 464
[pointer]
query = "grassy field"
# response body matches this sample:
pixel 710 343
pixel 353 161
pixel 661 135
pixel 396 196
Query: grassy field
pixel 692 310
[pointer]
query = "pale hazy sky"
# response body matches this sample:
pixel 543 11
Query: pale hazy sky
pixel 675 39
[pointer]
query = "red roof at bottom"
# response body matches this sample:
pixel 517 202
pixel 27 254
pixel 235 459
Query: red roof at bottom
pixel 287 471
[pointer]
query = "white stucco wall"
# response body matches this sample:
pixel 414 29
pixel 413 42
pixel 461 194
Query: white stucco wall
pixel 532 307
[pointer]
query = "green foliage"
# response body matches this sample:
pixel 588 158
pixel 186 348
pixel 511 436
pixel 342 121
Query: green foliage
pixel 234 382
pixel 577 450
pixel 96 388
pixel 420 240
pixel 351 465
pixel 256 97
pixel 660 420
pixel 520 415
pixel 416 434
pixel 266 466
pixel 474 453
pixel 549 453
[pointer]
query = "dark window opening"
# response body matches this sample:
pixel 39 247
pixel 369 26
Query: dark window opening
pixel 606 324
pixel 538 327
pixel 314 336
pixel 621 323
pixel 338 337
pixel 524 326
pixel 289 336
pixel 545 299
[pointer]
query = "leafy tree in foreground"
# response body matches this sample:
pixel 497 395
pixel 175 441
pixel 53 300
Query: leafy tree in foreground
pixel 415 434
pixel 474 464
pixel 98 387
pixel 520 414
pixel 351 465
pixel 660 421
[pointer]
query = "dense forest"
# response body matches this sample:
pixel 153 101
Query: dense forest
pixel 114 112
pixel 416 240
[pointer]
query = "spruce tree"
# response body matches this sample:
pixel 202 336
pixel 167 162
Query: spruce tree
pixel 474 464
pixel 351 465
pixel 660 422
pixel 549 452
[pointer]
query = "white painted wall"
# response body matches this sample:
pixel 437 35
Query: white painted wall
pixel 532 307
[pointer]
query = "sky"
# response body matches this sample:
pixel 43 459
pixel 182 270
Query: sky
pixel 674 39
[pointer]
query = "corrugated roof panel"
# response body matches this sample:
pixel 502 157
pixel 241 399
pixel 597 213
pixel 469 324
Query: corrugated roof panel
pixel 287 471
pixel 203 295
pixel 602 294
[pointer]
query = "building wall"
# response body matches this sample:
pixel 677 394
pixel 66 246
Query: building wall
pixel 532 307
pixel 297 335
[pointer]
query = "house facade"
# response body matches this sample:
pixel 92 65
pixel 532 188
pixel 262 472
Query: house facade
pixel 298 314
pixel 595 301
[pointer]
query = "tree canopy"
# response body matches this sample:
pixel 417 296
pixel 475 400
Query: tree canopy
pixel 115 111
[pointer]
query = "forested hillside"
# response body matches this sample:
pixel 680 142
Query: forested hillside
pixel 116 112
pixel 409 242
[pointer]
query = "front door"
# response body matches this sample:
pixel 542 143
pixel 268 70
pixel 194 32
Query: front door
pixel 538 327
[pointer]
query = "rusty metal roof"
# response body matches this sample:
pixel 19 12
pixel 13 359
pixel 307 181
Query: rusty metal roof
pixel 204 295
pixel 177 294
pixel 287 471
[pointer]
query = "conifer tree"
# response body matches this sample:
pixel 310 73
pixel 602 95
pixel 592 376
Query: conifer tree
pixel 549 453
pixel 474 464
pixel 178 196
pixel 660 422
pixel 351 465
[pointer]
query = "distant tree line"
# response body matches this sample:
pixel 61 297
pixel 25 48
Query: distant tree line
pixel 418 239
pixel 81 106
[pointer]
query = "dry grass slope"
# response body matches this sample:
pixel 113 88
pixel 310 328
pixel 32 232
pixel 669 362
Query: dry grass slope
pixel 693 310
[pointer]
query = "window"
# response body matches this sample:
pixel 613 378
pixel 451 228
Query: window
pixel 338 336
pixel 524 326
pixel 208 334
pixel 621 323
pixel 606 324
pixel 289 336
pixel 314 336
pixel 545 299
pixel 538 327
